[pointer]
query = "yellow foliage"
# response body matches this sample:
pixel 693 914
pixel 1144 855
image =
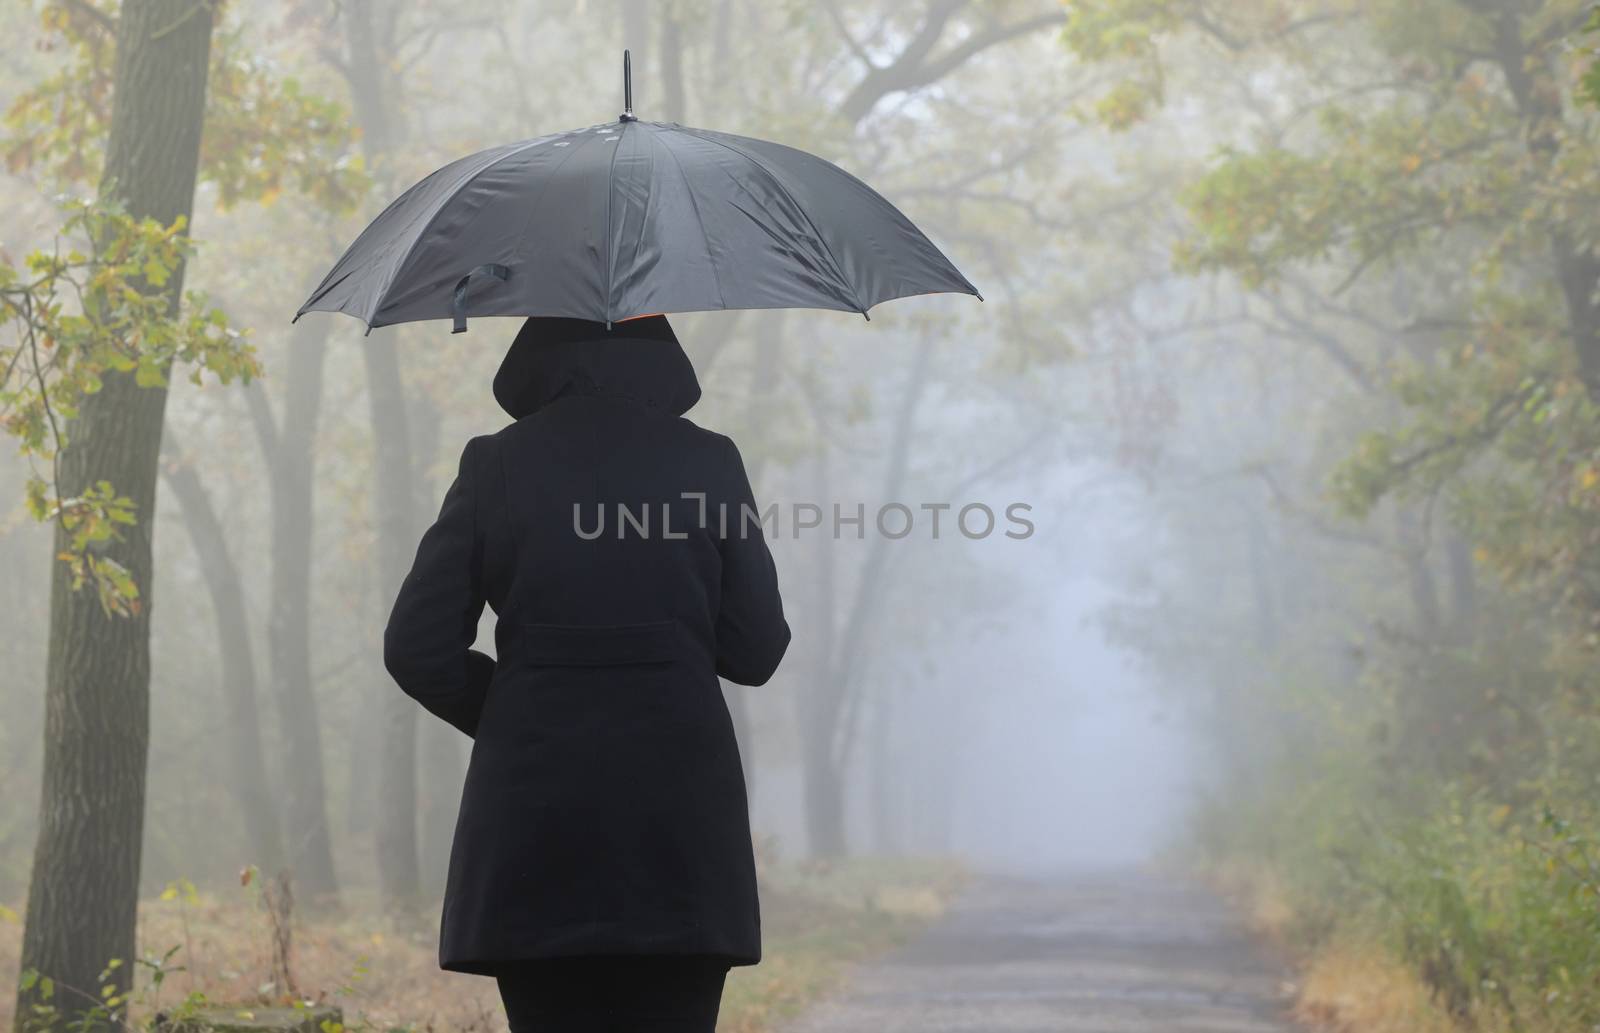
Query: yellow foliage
pixel 383 969
pixel 1358 987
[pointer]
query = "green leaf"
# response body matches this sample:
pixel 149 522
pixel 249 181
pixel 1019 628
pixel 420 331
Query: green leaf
pixel 149 375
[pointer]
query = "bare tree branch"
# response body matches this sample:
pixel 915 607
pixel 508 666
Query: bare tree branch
pixel 92 13
pixel 913 67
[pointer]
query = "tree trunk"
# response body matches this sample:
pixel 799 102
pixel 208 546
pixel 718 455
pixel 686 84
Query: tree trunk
pixel 720 68
pixel 827 721
pixel 1463 590
pixel 1579 271
pixel 821 703
pixel 441 757
pixel 635 18
pixel 246 759
pixel 763 379
pixel 291 457
pixel 399 871
pixel 825 831
pixel 85 882
pixel 674 93
pixel 824 713
pixel 882 773
pixel 1577 268
pixel 1410 535
pixel 1264 605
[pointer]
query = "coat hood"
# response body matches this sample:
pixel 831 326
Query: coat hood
pixel 639 360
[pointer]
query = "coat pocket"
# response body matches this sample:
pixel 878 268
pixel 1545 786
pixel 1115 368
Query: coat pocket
pixel 600 645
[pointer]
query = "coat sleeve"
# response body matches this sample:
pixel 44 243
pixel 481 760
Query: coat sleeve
pixel 752 634
pixel 427 645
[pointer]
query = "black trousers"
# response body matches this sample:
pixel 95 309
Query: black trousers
pixel 622 994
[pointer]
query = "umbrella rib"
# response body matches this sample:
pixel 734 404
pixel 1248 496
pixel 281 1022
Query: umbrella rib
pixel 648 179
pixel 688 188
pixel 838 270
pixel 444 203
pixel 611 189
pixel 544 188
pixel 329 282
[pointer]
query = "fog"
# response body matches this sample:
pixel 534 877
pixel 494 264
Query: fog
pixel 1286 362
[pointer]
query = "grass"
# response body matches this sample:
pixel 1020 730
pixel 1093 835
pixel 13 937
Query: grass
pixel 1361 988
pixel 1347 984
pixel 383 973
pixel 1468 915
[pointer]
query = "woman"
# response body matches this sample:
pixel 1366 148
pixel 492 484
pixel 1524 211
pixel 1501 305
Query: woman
pixel 602 868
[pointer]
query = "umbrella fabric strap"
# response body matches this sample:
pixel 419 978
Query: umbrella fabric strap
pixel 458 305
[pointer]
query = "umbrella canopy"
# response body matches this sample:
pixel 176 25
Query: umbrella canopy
pixel 629 218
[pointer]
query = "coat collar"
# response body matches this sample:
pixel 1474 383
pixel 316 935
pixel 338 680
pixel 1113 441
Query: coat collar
pixel 638 360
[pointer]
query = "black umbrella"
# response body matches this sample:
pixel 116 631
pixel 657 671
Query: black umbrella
pixel 629 218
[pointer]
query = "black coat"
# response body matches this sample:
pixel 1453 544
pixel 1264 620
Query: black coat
pixel 604 810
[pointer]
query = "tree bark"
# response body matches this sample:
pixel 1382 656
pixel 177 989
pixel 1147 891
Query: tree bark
pixel 1579 273
pixel 1577 268
pixel 825 718
pixel 399 870
pixel 820 706
pixel 1424 589
pixel 763 379
pixel 882 773
pixel 1463 590
pixel 674 94
pixel 635 24
pixel 824 789
pixel 85 881
pixel 441 756
pixel 1264 605
pixel 828 720
pixel 290 449
pixel 246 758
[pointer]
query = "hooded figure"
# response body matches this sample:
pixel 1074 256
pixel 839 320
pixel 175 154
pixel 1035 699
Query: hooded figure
pixel 604 810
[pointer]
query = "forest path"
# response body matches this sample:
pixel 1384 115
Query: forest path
pixel 1074 954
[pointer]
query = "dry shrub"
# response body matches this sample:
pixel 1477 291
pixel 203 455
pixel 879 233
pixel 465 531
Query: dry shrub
pixel 1355 988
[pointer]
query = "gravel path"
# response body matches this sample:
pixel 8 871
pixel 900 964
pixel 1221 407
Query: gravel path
pixel 1107 954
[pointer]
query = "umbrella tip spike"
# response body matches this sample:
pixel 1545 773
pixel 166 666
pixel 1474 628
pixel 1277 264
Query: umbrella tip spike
pixel 627 87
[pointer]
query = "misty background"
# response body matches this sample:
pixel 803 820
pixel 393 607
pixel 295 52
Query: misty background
pixel 981 712
pixel 1289 341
